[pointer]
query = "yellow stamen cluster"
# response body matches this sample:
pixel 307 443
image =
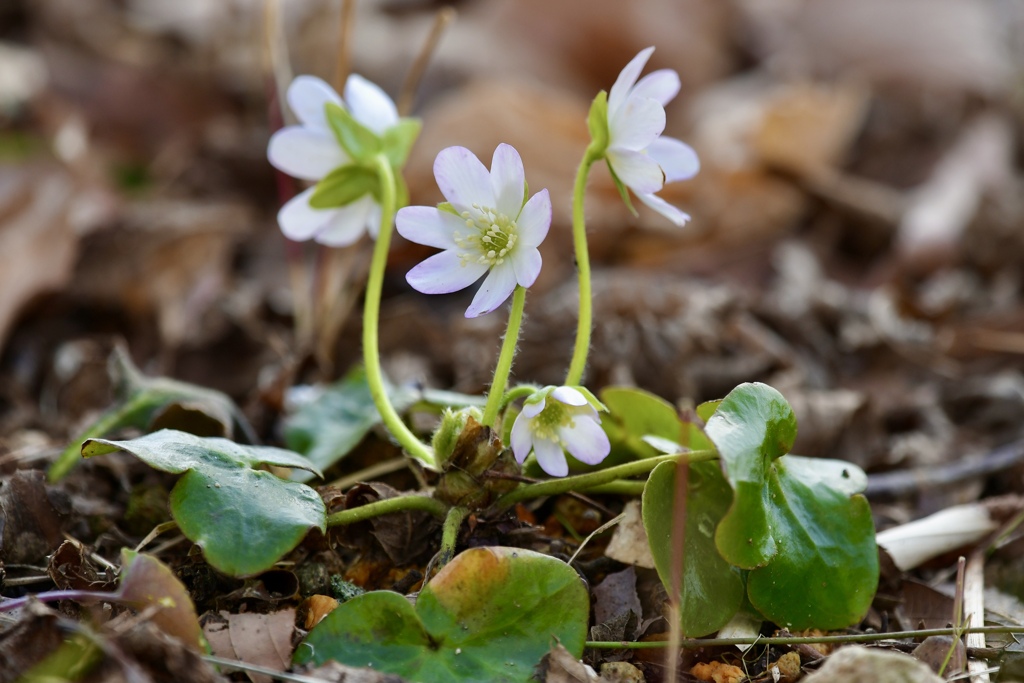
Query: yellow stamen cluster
pixel 492 236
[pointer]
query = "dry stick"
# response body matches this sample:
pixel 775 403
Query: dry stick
pixel 974 611
pixel 407 95
pixel 343 61
pixel 907 482
pixel 958 613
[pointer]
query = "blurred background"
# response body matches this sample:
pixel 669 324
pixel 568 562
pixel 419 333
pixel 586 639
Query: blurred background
pixel 857 237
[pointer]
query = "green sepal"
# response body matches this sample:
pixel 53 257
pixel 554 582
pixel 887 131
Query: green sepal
pixel 591 399
pixel 623 192
pixel 357 140
pixel 448 208
pixel 597 123
pixel 344 185
pixel 399 139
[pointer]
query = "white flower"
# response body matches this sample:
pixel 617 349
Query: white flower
pixel 554 419
pixel 486 226
pixel 310 151
pixel 637 153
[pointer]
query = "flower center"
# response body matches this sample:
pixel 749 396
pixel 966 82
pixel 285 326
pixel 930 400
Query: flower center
pixel 550 419
pixel 492 236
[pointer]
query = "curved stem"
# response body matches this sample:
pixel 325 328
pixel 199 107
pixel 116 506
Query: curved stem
pixel 371 319
pixel 508 352
pixel 450 533
pixel 521 391
pixel 620 487
pixel 581 482
pixel 579 241
pixel 387 506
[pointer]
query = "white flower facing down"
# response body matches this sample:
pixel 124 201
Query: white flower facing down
pixel 554 419
pixel 310 151
pixel 637 153
pixel 489 228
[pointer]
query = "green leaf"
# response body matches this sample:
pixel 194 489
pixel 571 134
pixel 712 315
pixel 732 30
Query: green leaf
pixel 490 615
pixel 244 519
pixel 150 403
pixel 328 428
pixel 796 522
pixel 711 591
pixel 634 414
pixel 344 185
pixel 752 426
pixel 399 139
pixel 826 571
pixel 357 140
pixel 597 123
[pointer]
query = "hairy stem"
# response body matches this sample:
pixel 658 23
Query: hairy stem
pixel 579 241
pixel 371 319
pixel 508 352
pixel 387 506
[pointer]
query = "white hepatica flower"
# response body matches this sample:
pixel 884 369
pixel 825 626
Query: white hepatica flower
pixel 557 418
pixel 310 151
pixel 637 153
pixel 485 226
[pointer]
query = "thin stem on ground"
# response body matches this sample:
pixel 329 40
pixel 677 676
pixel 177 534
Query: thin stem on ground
pixel 450 533
pixel 371 320
pixel 505 358
pixel 388 506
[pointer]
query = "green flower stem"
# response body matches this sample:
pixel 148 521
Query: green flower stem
pixel 621 487
pixel 387 506
pixel 371 319
pixel 581 482
pixel 450 533
pixel 579 240
pixel 521 391
pixel 508 352
pixel 801 640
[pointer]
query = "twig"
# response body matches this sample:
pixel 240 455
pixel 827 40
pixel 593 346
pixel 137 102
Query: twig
pixel 407 95
pixel 974 612
pixel 905 482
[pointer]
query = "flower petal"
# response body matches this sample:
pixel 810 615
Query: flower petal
pixel 348 224
pixel 664 208
pixel 307 96
pixel 550 457
pixel 638 123
pixel 428 226
pixel 304 153
pixel 585 440
pixel 535 219
pixel 526 263
pixel 373 217
pixel 299 221
pixel 508 179
pixel 677 159
pixel 661 85
pixel 494 291
pixel 444 273
pixel 534 408
pixel 522 438
pixel 639 172
pixel 369 104
pixel 569 396
pixel 463 180
pixel 626 80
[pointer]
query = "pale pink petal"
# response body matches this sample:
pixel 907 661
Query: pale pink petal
pixel 496 288
pixel 370 105
pixel 373 217
pixel 585 440
pixel 443 273
pixel 349 223
pixel 569 396
pixel 299 221
pixel 526 263
pixel 534 220
pixel 307 98
pixel 676 158
pixel 304 152
pixel 664 208
pixel 428 226
pixel 508 180
pixel 463 180
pixel 640 121
pixel 639 172
pixel 550 457
pixel 534 408
pixel 626 80
pixel 522 438
pixel 661 85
